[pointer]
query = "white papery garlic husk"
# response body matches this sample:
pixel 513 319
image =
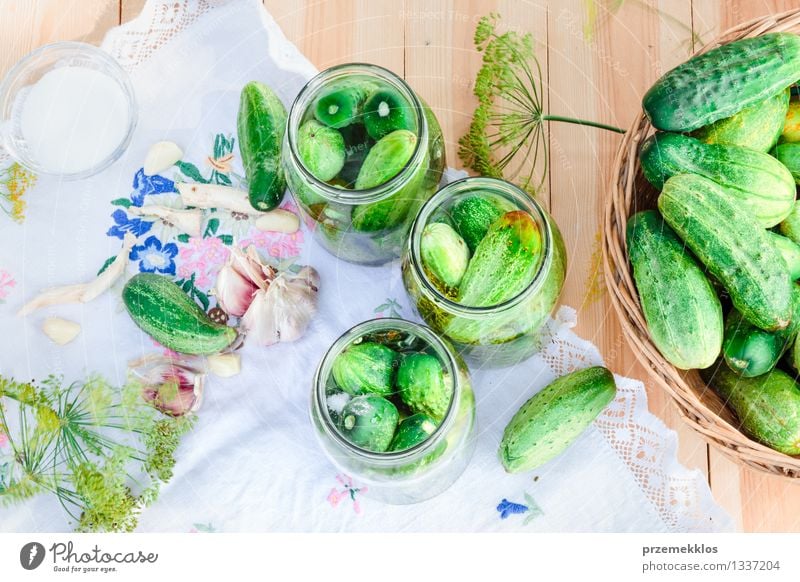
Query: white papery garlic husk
pixel 282 312
pixel 239 279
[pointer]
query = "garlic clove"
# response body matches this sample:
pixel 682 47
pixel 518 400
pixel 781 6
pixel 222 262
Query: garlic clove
pixel 172 386
pixel 161 156
pixel 278 220
pixel 224 365
pixel 60 331
pixel 215 196
pixel 234 291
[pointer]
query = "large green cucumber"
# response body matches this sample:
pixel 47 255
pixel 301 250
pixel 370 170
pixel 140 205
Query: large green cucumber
pixel 472 216
pixel 504 263
pixel 732 246
pixel 754 180
pixel 757 127
pixel 164 312
pixel 750 351
pixel 789 155
pixel 321 149
pixel 723 81
pixel 768 407
pixel 366 367
pixel 682 311
pixel 412 431
pixel 422 385
pixel 369 421
pixel 554 417
pixel 341 103
pixel 790 251
pixel 260 126
pixel 445 256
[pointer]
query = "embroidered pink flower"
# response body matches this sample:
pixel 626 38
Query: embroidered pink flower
pixel 337 495
pixel 334 497
pixel 7 283
pixel 3 439
pixel 277 245
pixel 202 257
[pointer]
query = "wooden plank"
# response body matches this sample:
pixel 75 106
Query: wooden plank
pixel 26 25
pixel 758 501
pixel 600 73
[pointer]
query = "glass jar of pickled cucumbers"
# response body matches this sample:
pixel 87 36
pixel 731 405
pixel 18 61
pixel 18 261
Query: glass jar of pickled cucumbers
pixel 393 407
pixel 362 154
pixel 484 266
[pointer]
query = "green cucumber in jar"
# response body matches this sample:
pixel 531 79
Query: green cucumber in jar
pixel 790 251
pixel 261 123
pixel 789 155
pixel 681 308
pixel 341 104
pixel 321 150
pixel 472 216
pixel 547 424
pixel 168 315
pixel 790 226
pixel 385 111
pixel 366 368
pixel 732 246
pixel 369 421
pixel 422 385
pixel 444 255
pixel 412 431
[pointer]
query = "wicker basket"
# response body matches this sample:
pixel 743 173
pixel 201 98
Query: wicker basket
pixel 631 193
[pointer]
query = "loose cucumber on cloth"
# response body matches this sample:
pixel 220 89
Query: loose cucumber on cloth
pixel 682 311
pixel 732 246
pixel 260 126
pixel 723 81
pixel 753 180
pixel 554 417
pixel 162 310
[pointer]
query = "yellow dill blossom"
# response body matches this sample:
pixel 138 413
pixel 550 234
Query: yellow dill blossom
pixel 17 181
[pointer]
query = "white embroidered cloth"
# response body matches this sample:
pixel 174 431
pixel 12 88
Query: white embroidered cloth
pixel 252 463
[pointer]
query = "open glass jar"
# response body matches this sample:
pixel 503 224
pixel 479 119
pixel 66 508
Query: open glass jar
pixel 488 333
pixel 362 153
pixel 393 407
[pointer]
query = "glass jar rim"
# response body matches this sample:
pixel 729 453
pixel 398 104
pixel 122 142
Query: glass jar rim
pixel 494 185
pixel 319 404
pixel 120 76
pixel 304 99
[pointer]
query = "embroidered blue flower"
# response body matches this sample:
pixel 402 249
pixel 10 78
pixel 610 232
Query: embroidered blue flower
pixel 506 508
pixel 147 185
pixel 124 224
pixel 154 257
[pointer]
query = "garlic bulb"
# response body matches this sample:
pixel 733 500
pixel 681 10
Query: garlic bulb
pixel 282 312
pixel 174 387
pixel 239 279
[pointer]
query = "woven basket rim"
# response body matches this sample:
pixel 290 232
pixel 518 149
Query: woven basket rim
pixel 704 420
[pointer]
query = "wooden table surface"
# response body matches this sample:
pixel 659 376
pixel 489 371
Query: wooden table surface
pixel 596 63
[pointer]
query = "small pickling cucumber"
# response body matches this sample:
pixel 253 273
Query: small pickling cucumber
pixel 504 263
pixel 753 180
pixel 757 127
pixel 547 424
pixel 791 125
pixel 790 251
pixel 366 368
pixel 260 126
pixel 412 431
pixel 385 111
pixel 168 315
pixel 681 308
pixel 321 149
pixel 445 255
pixel 768 407
pixel 723 81
pixel 341 105
pixel 789 155
pixel 750 351
pixel 422 385
pixel 472 216
pixel 732 246
pixel 790 226
pixel 369 421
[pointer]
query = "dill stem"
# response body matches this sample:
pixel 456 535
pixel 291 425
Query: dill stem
pixel 582 122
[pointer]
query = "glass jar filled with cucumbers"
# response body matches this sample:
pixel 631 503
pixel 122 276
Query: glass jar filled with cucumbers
pixel 393 407
pixel 362 154
pixel 484 266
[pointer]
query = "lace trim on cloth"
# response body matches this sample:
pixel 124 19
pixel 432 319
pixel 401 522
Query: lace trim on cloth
pixel 680 497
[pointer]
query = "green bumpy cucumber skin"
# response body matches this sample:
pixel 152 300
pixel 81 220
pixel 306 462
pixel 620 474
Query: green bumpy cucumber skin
pixel 366 368
pixel 721 82
pixel 445 256
pixel 681 308
pixel 789 155
pixel 732 246
pixel 472 218
pixel 422 385
pixel 386 111
pixel 321 149
pixel 260 126
pixel 168 315
pixel 347 98
pixel 412 431
pixel 790 226
pixel 790 251
pixel 757 127
pixel 753 180
pixel 504 263
pixel 369 421
pixel 791 126
pixel 547 424
pixel 768 407
pixel 750 351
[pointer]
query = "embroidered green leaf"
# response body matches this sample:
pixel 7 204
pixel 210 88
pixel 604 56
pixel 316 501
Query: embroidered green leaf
pixel 184 238
pixel 190 171
pixel 108 262
pixel 201 297
pixel 211 227
pixel 381 308
pixel 124 202
pixel 226 239
pixel 221 178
